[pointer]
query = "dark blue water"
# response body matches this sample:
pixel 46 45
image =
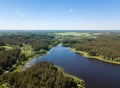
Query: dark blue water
pixel 96 74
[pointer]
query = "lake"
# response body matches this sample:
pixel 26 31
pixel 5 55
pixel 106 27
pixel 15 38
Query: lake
pixel 96 74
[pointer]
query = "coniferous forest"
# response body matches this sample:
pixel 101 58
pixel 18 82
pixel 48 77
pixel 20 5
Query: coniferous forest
pixel 59 43
pixel 18 48
pixel 42 75
pixel 105 45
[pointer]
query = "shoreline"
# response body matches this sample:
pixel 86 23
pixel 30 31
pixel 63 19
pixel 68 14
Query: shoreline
pixel 85 54
pixel 20 65
pixel 80 82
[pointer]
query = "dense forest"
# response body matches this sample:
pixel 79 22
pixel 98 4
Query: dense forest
pixel 37 41
pixel 42 75
pixel 18 47
pixel 106 46
pixel 9 58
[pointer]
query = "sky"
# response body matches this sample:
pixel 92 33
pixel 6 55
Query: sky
pixel 60 14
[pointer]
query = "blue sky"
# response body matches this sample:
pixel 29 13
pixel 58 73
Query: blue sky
pixel 60 14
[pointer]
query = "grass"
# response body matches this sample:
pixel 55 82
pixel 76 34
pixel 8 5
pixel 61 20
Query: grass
pixel 3 85
pixel 85 54
pixel 27 50
pixel 29 53
pixel 74 34
pixel 19 66
pixel 7 47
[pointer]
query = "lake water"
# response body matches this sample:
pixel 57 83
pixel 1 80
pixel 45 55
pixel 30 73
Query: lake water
pixel 96 74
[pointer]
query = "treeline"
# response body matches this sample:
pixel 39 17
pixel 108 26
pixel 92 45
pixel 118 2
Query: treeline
pixel 39 44
pixel 70 42
pixel 42 75
pixel 37 41
pixel 106 46
pixel 8 58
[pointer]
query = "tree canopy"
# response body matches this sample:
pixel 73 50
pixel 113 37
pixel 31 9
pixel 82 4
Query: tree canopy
pixel 104 45
pixel 42 75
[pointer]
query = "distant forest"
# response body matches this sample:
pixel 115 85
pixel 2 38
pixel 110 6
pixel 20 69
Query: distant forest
pixel 106 45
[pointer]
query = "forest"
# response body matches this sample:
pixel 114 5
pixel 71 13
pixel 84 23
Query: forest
pixel 42 75
pixel 37 41
pixel 105 46
pixel 15 48
pixel 9 58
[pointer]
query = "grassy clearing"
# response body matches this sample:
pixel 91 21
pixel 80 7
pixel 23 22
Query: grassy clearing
pixel 19 66
pixel 27 50
pixel 85 54
pixel 29 53
pixel 3 85
pixel 7 47
pixel 80 82
pixel 74 34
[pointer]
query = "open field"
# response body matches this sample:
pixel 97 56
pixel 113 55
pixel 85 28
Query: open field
pixel 74 34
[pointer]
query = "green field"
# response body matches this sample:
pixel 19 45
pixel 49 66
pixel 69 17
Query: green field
pixel 74 34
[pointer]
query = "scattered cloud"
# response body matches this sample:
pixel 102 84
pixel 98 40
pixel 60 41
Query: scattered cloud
pixel 19 13
pixel 70 10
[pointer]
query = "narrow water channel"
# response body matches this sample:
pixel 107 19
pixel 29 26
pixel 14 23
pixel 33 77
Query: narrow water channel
pixel 96 74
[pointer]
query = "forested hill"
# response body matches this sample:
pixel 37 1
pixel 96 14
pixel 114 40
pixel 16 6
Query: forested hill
pixel 42 75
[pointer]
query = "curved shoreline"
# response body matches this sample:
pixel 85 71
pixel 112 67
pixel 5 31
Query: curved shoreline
pixel 20 65
pixel 85 54
pixel 80 82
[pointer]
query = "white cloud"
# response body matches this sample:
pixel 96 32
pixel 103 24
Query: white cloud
pixel 71 10
pixel 19 13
